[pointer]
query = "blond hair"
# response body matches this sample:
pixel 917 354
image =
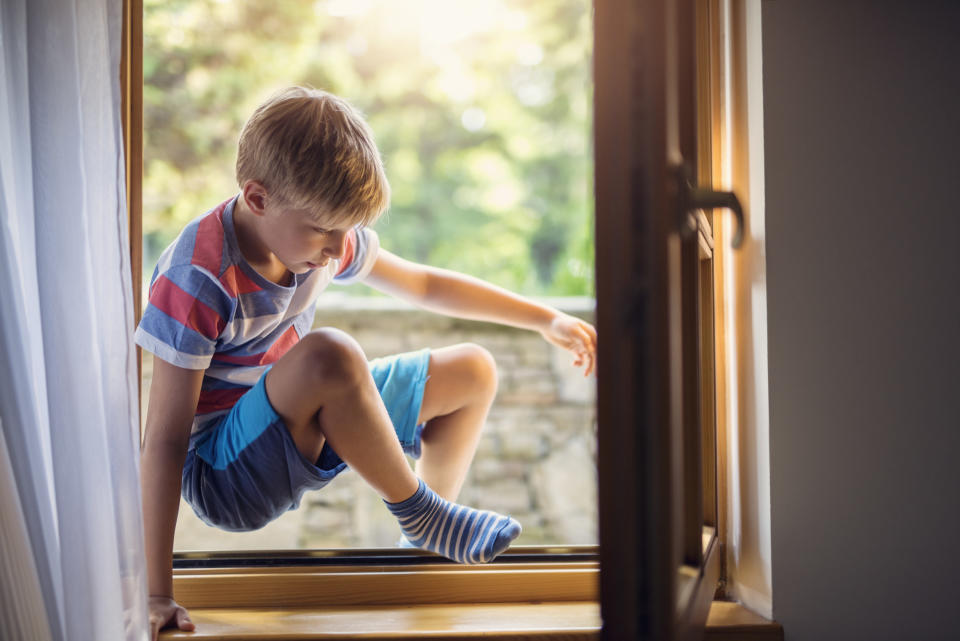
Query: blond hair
pixel 312 150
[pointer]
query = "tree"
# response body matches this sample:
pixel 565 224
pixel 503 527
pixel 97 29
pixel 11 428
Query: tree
pixel 481 111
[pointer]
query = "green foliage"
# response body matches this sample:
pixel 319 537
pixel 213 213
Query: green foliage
pixel 481 110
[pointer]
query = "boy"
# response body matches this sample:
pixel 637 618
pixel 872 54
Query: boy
pixel 249 408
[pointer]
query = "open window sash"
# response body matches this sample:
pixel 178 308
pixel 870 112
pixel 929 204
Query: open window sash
pixel 660 557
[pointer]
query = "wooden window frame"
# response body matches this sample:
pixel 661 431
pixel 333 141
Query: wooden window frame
pixel 657 106
pixel 526 573
pixel 236 579
pixel 131 117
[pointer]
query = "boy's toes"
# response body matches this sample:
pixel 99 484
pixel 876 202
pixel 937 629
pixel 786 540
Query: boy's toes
pixel 505 537
pixel 404 542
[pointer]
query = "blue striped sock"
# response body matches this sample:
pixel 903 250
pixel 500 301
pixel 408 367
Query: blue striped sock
pixel 455 531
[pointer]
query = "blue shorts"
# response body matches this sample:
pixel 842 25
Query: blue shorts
pixel 245 470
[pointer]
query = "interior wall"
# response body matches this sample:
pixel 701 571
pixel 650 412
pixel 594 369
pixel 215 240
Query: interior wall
pixel 861 126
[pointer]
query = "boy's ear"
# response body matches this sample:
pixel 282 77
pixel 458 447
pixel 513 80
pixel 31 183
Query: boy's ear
pixel 255 195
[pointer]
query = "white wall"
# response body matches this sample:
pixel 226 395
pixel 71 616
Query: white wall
pixel 862 164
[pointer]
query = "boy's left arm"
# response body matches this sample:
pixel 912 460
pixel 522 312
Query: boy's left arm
pixel 454 294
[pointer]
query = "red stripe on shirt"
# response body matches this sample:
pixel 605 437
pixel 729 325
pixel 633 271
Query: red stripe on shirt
pixel 208 243
pixel 252 359
pixel 280 347
pixel 219 399
pixel 236 282
pixel 350 245
pixel 167 296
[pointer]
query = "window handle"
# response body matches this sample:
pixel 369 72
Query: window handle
pixel 692 198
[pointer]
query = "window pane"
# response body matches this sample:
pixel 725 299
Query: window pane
pixel 481 111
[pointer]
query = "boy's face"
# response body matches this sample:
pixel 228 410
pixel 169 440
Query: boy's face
pixel 300 239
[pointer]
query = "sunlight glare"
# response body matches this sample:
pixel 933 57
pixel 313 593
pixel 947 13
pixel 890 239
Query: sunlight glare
pixel 445 22
pixel 456 82
pixel 346 8
pixel 440 26
pixel 529 54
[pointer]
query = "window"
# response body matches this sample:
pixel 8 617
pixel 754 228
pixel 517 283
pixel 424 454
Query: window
pixel 482 114
pixel 628 541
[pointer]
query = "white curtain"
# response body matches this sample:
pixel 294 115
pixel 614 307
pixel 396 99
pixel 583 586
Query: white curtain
pixel 69 496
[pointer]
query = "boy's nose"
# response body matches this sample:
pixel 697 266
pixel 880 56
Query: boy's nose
pixel 337 245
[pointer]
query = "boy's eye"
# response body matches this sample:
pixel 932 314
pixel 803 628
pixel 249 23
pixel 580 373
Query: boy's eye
pixel 319 231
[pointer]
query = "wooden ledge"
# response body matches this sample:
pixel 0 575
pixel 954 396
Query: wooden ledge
pixel 729 621
pixel 536 601
pixel 569 621
pixel 249 589
pixel 445 601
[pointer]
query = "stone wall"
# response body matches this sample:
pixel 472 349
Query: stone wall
pixel 536 459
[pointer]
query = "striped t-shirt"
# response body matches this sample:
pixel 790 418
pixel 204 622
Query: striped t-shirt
pixel 209 309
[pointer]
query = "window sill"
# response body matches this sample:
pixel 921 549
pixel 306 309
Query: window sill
pixel 517 600
pixel 568 621
pixel 732 622
pixel 451 621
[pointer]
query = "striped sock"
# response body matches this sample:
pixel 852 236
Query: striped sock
pixel 455 531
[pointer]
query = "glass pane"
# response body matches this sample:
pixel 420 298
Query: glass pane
pixel 482 114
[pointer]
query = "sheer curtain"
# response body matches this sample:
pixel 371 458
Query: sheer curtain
pixel 71 547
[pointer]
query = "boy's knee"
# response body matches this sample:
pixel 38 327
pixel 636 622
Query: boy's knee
pixel 480 365
pixel 333 356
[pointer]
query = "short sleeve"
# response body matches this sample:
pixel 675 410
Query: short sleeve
pixel 362 245
pixel 186 313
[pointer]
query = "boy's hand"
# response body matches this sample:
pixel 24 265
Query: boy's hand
pixel 164 610
pixel 575 335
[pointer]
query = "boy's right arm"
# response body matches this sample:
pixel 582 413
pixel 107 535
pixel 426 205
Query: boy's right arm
pixel 173 400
